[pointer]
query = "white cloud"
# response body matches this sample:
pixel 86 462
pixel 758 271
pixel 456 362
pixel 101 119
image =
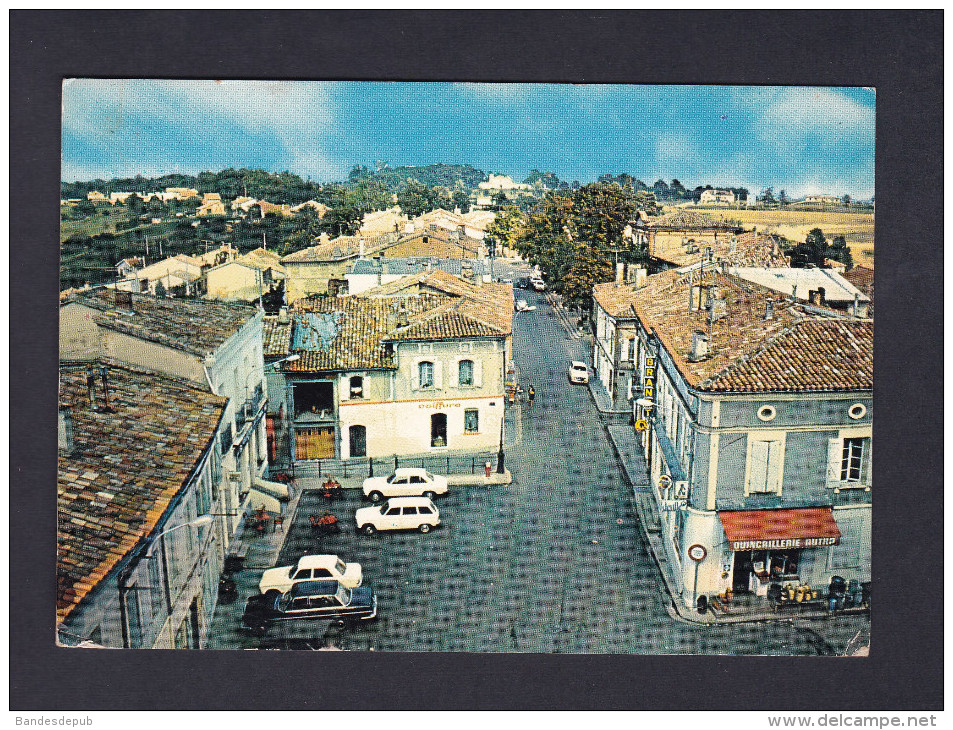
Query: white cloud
pixel 822 113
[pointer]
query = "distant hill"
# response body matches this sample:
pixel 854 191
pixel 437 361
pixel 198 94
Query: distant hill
pixel 452 177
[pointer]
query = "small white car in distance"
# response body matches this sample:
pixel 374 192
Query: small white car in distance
pixel 311 567
pixel 409 482
pixel 578 372
pixel 537 283
pixel 398 513
pixel 522 306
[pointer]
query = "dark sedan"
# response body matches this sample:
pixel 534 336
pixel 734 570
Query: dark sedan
pixel 308 601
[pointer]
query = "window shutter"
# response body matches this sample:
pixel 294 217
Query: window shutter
pixel 758 468
pixel 344 388
pixel 773 483
pixel 834 449
pixel 455 373
pixel 438 375
pixel 866 460
pixel 478 373
pixel 415 374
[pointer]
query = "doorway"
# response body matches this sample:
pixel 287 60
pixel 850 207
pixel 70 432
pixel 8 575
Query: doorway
pixel 357 436
pixel 438 429
pixel 314 443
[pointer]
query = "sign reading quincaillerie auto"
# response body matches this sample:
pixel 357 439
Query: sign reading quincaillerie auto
pixel 794 542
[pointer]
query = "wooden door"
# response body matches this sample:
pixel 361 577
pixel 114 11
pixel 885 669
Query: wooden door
pixel 314 443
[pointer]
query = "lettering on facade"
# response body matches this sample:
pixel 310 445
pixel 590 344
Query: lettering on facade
pixel 648 377
pixel 795 542
pixel 439 405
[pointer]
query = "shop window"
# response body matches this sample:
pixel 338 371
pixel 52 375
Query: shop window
pixel 425 374
pixel 471 420
pixel 466 372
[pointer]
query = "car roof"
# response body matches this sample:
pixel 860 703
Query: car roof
pixel 317 561
pixel 314 588
pixel 408 470
pixel 409 501
pixel 577 364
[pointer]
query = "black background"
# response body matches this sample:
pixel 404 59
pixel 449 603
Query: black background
pixel 899 53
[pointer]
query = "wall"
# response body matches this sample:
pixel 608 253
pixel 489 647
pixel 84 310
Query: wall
pixel 234 281
pixel 487 355
pixel 312 278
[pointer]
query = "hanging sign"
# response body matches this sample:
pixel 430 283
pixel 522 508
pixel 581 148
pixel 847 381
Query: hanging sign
pixel 648 377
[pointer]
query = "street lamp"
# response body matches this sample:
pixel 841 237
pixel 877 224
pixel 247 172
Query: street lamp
pixel 201 521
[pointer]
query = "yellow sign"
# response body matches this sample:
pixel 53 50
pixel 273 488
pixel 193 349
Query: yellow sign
pixel 641 425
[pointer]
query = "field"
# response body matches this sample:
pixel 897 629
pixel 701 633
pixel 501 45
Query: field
pixel 857 228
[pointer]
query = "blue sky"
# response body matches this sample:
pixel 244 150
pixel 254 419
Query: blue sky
pixel 801 139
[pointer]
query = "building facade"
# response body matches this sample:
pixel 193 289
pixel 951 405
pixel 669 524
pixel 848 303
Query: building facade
pixel 140 461
pixel 759 433
pixel 413 367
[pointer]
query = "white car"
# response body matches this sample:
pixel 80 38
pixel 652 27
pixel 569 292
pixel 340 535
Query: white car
pixel 578 372
pixel 311 567
pixel 537 284
pixel 409 482
pixel 398 513
pixel 522 306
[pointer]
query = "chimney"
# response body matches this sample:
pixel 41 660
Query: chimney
pixel 699 346
pixel 619 272
pixel 769 309
pixel 123 300
pixel 639 277
pixel 65 430
pixel 816 296
pixel 283 316
pixel 402 319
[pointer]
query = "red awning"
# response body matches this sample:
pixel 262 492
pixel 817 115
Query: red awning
pixel 780 529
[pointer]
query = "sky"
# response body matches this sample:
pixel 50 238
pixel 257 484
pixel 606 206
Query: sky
pixel 800 139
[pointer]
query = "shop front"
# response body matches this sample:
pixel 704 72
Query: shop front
pixel 782 546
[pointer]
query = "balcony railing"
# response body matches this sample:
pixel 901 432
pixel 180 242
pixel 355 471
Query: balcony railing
pixel 249 409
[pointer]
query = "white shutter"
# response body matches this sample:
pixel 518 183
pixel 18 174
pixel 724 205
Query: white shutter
pixel 478 373
pixel 438 375
pixel 834 449
pixel 773 483
pixel 455 373
pixel 758 467
pixel 866 459
pixel 415 374
pixel 344 389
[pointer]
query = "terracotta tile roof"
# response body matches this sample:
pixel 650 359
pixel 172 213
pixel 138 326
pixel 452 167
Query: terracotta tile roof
pixel 794 350
pixel 863 279
pixel 487 304
pixel 125 468
pixel 196 326
pixel 469 245
pixel 615 298
pixel 686 219
pixel 340 249
pixel 743 249
pixel 276 337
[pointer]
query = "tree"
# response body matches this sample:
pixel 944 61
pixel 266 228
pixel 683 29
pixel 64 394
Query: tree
pixel 812 252
pixel 160 290
pixel 767 197
pixel 846 201
pixel 838 251
pixel 678 190
pixel 783 198
pixel 505 228
pixel 415 199
pixel 461 201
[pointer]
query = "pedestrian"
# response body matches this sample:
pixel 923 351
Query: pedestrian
pixel 531 394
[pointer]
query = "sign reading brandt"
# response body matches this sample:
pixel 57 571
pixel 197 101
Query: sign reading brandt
pixel 794 542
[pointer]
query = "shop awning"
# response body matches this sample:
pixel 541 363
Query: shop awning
pixel 780 529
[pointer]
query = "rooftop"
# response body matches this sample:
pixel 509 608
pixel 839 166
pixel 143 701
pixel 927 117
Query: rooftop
pixel 795 349
pixel 742 249
pixel 276 337
pixel 686 219
pixel 125 468
pixel 340 249
pixel 415 264
pixel 196 326
pixel 785 280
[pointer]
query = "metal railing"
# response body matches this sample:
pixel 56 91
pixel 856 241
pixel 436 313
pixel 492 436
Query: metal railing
pixel 381 465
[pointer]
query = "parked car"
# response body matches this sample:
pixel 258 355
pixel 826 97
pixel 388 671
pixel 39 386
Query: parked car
pixel 522 282
pixel 398 513
pixel 578 372
pixel 522 306
pixel 409 482
pixel 311 567
pixel 310 600
pixel 537 284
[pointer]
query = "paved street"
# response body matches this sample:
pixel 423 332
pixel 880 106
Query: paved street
pixel 554 562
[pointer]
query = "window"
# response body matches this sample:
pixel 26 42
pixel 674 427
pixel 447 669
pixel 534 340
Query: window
pixel 357 387
pixel 466 372
pixel 322 573
pixel 852 459
pixel 767 413
pixel 303 574
pixel 425 374
pixel 393 511
pixel 764 466
pixel 471 420
pixel 426 511
pixel 410 510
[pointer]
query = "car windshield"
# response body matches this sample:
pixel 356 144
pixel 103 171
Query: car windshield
pixel 428 476
pixel 340 566
pixel 344 595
